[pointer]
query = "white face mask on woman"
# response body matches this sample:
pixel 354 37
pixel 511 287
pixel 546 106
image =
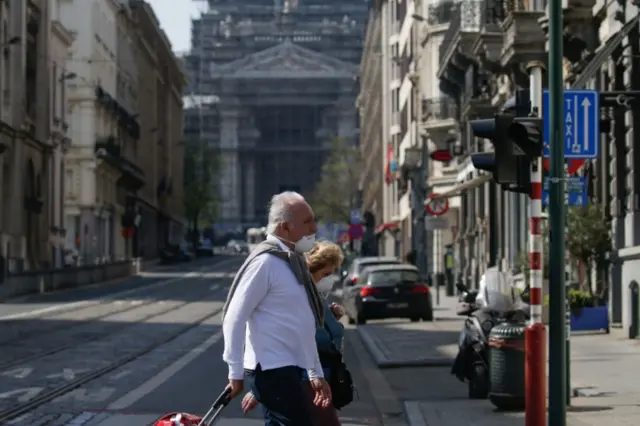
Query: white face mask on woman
pixel 325 285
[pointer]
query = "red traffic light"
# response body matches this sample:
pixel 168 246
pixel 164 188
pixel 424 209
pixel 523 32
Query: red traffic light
pixel 442 155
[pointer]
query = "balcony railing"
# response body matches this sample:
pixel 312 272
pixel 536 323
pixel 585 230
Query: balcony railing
pixel 466 17
pixel 441 13
pixel 442 108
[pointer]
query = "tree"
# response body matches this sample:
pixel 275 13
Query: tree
pixel 336 191
pixel 201 195
pixel 589 241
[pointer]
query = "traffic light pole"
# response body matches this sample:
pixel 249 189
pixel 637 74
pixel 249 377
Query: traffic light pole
pixel 535 334
pixel 557 214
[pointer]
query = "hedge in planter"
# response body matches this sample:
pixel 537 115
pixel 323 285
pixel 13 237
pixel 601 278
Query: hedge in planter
pixel 588 313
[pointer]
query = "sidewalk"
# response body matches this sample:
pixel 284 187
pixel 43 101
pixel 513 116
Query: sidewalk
pixel 401 343
pixel 584 412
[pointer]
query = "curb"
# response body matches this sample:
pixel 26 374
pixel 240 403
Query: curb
pixel 413 414
pixel 384 362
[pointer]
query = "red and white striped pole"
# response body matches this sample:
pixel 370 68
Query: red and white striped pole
pixel 535 334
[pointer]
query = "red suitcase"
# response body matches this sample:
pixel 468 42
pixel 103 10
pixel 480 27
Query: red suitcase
pixel 186 419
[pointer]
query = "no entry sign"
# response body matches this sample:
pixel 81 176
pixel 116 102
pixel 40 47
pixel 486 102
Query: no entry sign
pixel 437 207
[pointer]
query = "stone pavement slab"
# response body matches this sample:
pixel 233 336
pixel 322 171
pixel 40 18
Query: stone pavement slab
pixel 394 344
pixel 584 412
pixel 605 365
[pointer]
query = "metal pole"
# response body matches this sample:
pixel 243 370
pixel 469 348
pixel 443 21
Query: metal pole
pixel 557 211
pixel 535 334
pixel 567 328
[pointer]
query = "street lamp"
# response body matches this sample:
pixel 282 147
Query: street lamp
pixel 13 40
pixel 413 157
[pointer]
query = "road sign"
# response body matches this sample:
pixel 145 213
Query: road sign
pixel 573 165
pixel 356 231
pixel 581 122
pixel 434 223
pixel 437 207
pixel 576 191
pixel 355 216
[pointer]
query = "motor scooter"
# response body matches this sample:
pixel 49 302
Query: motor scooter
pixel 472 362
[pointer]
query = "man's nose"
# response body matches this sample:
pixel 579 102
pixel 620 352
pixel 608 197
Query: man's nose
pixel 314 229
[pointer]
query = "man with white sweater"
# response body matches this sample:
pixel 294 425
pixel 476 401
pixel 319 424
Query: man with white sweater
pixel 271 316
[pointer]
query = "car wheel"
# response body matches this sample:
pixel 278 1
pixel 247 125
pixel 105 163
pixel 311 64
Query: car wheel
pixel 414 319
pixel 428 317
pixel 361 320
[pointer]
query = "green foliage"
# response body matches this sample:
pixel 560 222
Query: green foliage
pixel 579 299
pixel 589 238
pixel 201 169
pixel 338 185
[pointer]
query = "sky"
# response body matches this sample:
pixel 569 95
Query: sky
pixel 175 19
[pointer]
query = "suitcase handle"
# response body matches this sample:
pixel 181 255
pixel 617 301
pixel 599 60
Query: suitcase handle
pixel 221 402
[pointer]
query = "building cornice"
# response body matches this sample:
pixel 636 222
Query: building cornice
pixel 62 33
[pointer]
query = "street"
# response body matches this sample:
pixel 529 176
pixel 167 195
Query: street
pixel 127 352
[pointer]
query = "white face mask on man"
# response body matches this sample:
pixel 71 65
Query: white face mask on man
pixel 305 244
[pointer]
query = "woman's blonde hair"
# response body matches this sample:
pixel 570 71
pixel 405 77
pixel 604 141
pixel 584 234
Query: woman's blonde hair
pixel 322 254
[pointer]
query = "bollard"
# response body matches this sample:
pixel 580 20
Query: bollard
pixel 634 327
pixel 507 366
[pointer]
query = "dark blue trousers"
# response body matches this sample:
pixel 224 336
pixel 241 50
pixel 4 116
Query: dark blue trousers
pixel 281 394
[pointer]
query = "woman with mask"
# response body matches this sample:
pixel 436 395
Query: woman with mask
pixel 323 260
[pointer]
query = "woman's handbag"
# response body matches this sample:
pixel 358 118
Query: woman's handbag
pixel 340 379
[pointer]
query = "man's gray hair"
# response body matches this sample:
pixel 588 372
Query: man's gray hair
pixel 280 209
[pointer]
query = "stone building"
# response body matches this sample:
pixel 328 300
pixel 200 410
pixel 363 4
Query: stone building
pixel 285 77
pixel 32 132
pixel 160 81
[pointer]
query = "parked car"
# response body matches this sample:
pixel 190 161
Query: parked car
pixel 353 271
pixel 387 291
pixel 174 254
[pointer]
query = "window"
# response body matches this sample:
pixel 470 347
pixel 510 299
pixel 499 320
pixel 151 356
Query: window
pixel 392 278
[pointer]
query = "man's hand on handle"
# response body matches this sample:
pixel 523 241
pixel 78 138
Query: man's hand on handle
pixel 322 391
pixel 236 387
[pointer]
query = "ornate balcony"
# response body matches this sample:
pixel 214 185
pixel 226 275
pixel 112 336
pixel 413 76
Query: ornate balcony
pixel 523 38
pixel 455 51
pixel 109 150
pixel 439 117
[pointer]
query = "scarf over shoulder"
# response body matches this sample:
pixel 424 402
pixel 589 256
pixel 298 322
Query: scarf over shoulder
pixel 298 265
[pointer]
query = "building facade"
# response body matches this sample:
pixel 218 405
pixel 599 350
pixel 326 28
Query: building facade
pixel 161 81
pixel 61 40
pixel 29 141
pixel 101 170
pixel 285 80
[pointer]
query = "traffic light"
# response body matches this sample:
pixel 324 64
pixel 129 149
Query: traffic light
pixel 516 142
pixel 500 162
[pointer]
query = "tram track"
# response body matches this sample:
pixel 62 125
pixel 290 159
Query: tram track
pixel 110 300
pixel 116 328
pixel 21 409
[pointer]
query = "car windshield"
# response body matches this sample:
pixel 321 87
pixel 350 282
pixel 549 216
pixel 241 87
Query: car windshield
pixel 363 265
pixel 393 277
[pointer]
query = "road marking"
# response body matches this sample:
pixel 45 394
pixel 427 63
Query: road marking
pixel 67 374
pixel 87 395
pixel 119 375
pixel 18 373
pixel 157 381
pixel 27 394
pixel 107 297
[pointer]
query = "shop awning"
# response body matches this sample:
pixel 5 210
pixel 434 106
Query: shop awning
pixel 459 189
pixel 389 226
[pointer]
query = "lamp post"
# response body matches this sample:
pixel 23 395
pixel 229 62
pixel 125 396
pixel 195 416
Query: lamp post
pixel 415 159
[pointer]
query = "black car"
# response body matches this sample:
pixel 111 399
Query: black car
pixel 174 254
pixel 387 291
pixel 352 273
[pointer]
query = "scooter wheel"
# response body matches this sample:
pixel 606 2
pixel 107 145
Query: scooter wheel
pixel 479 383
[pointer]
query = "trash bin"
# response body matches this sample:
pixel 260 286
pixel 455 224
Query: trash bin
pixel 506 366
